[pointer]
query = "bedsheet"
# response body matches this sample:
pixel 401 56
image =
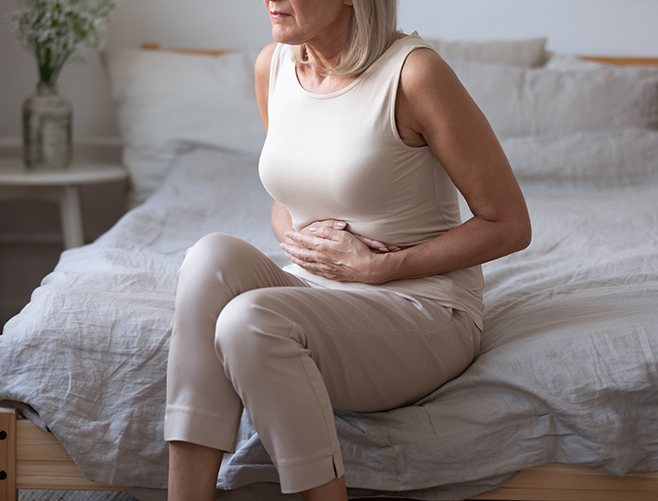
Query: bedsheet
pixel 568 370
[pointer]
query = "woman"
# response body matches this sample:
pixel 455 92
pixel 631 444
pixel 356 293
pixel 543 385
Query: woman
pixel 369 133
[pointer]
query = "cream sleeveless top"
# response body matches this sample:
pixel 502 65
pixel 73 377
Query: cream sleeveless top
pixel 340 156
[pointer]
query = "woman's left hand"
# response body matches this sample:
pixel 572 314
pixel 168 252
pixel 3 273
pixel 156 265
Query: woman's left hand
pixel 333 254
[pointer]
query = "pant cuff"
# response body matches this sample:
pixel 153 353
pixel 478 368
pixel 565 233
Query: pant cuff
pixel 202 429
pixel 303 474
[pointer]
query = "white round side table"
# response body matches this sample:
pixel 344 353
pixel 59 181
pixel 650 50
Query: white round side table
pixel 61 186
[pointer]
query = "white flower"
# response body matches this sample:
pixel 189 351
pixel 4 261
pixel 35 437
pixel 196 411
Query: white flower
pixel 56 30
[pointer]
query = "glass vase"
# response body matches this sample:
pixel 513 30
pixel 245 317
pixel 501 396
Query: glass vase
pixel 47 129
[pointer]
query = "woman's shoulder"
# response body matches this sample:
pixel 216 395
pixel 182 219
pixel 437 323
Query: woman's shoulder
pixel 262 73
pixel 422 57
pixel 422 65
pixel 264 60
pixel 424 70
pixel 428 90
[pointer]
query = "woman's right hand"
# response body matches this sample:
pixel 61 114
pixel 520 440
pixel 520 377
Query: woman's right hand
pixel 337 224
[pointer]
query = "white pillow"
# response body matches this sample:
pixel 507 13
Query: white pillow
pixel 523 53
pixel 521 102
pixel 565 62
pixel 168 102
pixel 623 157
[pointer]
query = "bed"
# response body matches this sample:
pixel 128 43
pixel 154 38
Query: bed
pixel 560 404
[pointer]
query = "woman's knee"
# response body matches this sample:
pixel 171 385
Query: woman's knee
pixel 252 326
pixel 212 252
pixel 219 259
pixel 210 276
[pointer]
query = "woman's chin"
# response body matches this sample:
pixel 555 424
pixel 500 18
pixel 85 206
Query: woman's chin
pixel 284 36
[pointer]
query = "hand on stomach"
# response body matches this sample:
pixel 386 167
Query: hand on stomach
pixel 328 249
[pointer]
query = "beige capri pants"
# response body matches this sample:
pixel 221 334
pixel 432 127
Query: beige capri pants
pixel 247 333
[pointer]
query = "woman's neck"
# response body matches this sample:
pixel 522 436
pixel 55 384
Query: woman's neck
pixel 326 55
pixel 327 50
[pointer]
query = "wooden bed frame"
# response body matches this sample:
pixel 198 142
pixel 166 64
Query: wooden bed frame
pixel 31 458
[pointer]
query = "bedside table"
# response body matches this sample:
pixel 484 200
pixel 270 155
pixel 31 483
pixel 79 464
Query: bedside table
pixel 61 186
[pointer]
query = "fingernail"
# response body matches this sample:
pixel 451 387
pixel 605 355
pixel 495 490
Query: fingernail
pixel 341 224
pixel 312 230
pixel 288 233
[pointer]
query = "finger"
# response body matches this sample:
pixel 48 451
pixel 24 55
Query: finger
pixel 310 241
pixel 315 224
pixel 301 253
pixel 377 244
pixel 326 232
pixel 315 268
pixel 301 263
pixel 373 244
pixel 333 223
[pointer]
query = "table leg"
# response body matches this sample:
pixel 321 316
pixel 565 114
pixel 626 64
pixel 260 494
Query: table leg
pixel 71 215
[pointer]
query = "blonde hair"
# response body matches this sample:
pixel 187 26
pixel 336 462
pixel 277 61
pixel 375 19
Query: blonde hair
pixel 373 24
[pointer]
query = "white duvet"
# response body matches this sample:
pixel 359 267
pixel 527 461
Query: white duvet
pixel 568 369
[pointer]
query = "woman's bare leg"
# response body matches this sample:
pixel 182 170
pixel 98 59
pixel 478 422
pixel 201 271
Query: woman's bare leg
pixel 331 491
pixel 193 472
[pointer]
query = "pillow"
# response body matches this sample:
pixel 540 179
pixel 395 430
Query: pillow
pixel 624 157
pixel 523 53
pixel 521 102
pixel 167 102
pixel 564 62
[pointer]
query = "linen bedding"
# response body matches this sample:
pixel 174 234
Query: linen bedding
pixel 568 370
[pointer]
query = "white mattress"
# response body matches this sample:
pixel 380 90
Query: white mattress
pixel 568 369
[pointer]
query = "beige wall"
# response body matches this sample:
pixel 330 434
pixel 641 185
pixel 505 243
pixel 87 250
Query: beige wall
pixel 29 231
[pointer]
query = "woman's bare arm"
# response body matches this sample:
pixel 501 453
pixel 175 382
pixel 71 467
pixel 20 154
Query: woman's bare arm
pixel 461 138
pixel 281 221
pixel 262 71
pixel 279 216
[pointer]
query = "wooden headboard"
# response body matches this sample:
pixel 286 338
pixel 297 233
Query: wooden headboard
pixel 612 60
pixel 622 61
pixel 201 52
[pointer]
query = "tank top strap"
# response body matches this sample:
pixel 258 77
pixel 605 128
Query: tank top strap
pixel 397 53
pixel 279 57
pixel 382 78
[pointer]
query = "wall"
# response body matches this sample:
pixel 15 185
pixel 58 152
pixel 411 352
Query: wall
pixel 29 231
pixel 609 27
pixel 597 27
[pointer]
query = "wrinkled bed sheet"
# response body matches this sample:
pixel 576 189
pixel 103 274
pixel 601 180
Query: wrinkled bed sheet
pixel 568 370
